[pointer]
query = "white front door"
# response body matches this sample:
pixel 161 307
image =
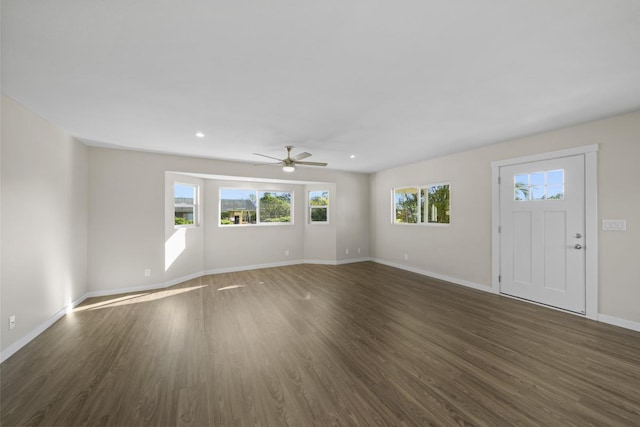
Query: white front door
pixel 542 232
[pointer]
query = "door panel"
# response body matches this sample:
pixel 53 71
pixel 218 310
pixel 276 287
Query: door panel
pixel 541 213
pixel 522 246
pixel 555 242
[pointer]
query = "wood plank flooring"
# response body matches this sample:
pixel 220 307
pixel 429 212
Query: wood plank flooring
pixel 307 345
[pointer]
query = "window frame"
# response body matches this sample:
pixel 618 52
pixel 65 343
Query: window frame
pixel 195 205
pixel 258 223
pixel 422 204
pixel 325 207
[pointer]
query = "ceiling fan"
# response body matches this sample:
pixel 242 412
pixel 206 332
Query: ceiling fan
pixel 289 163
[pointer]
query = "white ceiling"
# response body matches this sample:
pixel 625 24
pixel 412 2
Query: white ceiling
pixel 392 82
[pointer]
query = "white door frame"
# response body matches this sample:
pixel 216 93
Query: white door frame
pixel 590 153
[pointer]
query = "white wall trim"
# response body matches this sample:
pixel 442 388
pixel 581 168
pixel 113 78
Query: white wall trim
pixel 352 261
pixel 144 288
pixel 252 267
pixel 450 279
pixel 575 151
pixel 590 153
pixel 26 339
pixel 321 261
pixel 591 233
pixel 623 323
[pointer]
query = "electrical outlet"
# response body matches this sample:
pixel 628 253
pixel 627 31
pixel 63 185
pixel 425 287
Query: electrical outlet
pixel 406 257
pixel 346 251
pixel 286 253
pixel 147 272
pixel 12 321
pixel 358 250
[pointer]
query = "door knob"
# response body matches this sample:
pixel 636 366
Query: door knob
pixel 578 246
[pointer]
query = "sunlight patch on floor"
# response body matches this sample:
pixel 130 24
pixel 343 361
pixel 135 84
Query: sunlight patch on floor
pixel 137 299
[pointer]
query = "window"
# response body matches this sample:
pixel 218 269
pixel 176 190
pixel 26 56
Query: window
pixel 185 203
pixel 406 205
pixel 246 207
pixel 318 206
pixel 545 185
pixel 427 204
pixel 274 206
pixel 437 203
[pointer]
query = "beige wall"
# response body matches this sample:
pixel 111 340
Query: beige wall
pixel 44 220
pixel 320 238
pixel 130 219
pixel 463 249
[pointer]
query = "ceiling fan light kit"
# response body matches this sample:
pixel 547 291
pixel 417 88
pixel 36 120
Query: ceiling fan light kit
pixel 289 163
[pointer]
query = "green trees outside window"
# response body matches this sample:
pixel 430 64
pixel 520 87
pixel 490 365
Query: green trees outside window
pixel 422 204
pixel 318 206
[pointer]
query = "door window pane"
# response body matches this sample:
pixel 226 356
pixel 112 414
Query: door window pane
pixel 547 185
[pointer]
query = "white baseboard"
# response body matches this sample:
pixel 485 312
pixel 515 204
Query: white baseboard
pixel 143 288
pixel 252 267
pixel 623 323
pixel 334 262
pixel 352 261
pixel 320 262
pixel 26 339
pixel 468 284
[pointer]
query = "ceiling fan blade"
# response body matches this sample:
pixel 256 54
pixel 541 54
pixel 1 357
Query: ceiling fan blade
pixel 301 156
pixel 311 163
pixel 268 157
pixel 267 164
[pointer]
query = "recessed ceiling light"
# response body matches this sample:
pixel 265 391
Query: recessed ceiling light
pixel 353 156
pixel 200 135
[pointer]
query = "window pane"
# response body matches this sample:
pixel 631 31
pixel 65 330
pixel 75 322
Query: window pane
pixel 318 198
pixel 184 200
pixel 555 192
pixel 521 193
pixel 184 215
pixel 555 177
pixel 438 207
pixel 318 206
pixel 537 193
pixel 537 178
pixel 275 206
pixel 237 207
pixel 183 193
pixel 522 180
pixel 318 214
pixel 406 205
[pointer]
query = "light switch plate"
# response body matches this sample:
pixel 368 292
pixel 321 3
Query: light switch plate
pixel 614 225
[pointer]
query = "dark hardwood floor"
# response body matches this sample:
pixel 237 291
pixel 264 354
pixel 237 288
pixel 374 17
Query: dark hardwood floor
pixel 358 344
